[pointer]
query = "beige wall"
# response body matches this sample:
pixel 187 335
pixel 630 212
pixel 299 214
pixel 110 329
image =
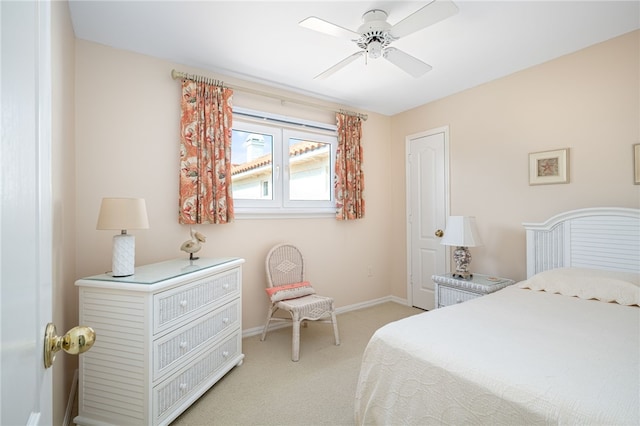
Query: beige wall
pixel 126 135
pixel 588 102
pixel 127 130
pixel 64 295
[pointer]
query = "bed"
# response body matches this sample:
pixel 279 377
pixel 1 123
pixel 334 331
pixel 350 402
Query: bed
pixel 561 347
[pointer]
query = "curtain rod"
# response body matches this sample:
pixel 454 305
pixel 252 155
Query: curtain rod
pixel 181 75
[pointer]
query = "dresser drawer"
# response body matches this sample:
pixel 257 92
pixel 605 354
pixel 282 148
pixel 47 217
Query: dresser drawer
pixel 451 296
pixel 170 350
pixel 205 369
pixel 171 307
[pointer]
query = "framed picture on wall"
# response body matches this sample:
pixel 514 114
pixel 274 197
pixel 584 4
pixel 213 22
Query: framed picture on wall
pixel 636 164
pixel 549 167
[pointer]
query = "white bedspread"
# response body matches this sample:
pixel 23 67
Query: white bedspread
pixel 515 357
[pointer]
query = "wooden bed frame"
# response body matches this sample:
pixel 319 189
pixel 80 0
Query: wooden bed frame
pixel 601 238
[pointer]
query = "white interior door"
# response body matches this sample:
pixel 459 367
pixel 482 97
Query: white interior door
pixel 25 211
pixel 427 210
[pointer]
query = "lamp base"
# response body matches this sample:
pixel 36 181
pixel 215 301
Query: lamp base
pixel 462 275
pixel 124 255
pixel 462 257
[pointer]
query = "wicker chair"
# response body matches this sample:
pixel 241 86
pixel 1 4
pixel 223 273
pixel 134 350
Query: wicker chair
pixel 285 265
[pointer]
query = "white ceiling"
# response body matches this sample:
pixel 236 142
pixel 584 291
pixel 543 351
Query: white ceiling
pixel 261 41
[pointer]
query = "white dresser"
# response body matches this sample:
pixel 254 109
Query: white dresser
pixel 163 337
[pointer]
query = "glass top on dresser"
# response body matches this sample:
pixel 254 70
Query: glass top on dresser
pixel 485 280
pixel 156 272
pixel 478 282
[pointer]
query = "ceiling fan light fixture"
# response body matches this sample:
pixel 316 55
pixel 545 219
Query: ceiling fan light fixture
pixel 375 35
pixel 374 49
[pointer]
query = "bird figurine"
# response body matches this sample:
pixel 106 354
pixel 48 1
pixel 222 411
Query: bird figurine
pixel 194 244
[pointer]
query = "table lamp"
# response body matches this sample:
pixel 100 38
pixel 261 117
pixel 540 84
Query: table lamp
pixel 462 233
pixel 123 214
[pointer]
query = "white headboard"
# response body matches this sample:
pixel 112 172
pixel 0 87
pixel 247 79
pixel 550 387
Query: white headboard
pixel 600 238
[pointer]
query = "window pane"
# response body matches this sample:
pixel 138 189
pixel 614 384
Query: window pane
pixel 252 165
pixel 309 170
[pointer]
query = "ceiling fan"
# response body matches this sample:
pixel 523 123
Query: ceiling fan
pixel 375 35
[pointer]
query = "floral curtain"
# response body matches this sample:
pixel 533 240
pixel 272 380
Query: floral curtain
pixel 205 154
pixel 349 184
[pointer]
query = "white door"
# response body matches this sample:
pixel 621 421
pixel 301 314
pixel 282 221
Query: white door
pixel 427 210
pixel 25 211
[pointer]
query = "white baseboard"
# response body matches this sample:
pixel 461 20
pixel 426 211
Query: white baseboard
pixel 341 310
pixel 71 400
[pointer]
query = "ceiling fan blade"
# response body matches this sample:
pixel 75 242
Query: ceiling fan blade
pixel 343 63
pixel 406 62
pixel 433 12
pixel 325 27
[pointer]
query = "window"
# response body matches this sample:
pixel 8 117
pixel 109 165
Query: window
pixel 281 166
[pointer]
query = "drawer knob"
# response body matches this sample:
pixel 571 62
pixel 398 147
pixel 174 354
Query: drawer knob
pixel 183 386
pixel 225 286
pixel 183 303
pixel 225 354
pixel 225 320
pixel 183 345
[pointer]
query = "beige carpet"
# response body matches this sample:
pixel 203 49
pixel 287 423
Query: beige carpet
pixel 270 389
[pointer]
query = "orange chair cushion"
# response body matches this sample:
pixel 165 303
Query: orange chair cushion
pixel 289 291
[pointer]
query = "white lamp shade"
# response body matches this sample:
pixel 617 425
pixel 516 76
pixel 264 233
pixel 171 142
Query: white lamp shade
pixel 461 231
pixel 123 213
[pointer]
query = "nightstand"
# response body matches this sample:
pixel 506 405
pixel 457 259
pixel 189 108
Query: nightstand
pixel 450 290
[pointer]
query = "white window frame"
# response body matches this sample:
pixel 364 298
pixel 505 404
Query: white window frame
pixel 282 128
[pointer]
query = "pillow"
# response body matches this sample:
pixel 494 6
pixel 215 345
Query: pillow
pixel 289 291
pixel 607 286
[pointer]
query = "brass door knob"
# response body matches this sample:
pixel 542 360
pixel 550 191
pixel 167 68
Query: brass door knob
pixel 439 233
pixel 77 340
